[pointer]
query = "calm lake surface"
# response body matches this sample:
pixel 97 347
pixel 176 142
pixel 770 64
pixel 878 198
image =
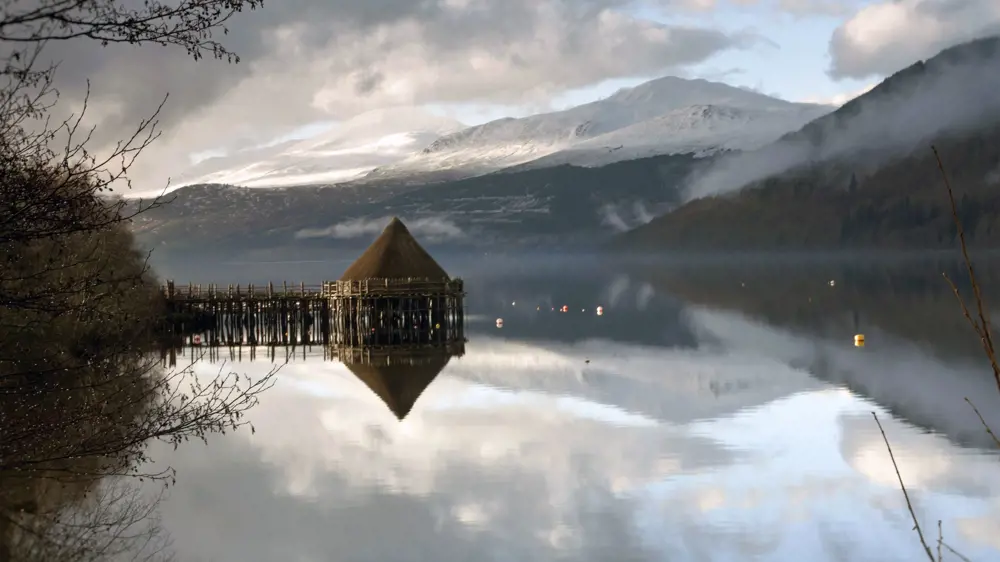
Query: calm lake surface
pixel 709 414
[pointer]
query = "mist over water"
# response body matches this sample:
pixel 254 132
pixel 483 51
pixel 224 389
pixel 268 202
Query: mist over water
pixel 712 412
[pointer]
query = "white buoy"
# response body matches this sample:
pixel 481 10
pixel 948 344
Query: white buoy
pixel 196 340
pixel 499 322
pixel 832 282
pixel 600 310
pixel 513 303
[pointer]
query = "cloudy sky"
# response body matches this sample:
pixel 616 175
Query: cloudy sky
pixel 311 62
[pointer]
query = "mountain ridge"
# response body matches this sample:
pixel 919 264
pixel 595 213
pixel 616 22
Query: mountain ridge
pixel 862 176
pixel 408 145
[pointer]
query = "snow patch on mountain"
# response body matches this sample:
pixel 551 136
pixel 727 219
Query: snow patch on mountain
pixel 696 129
pixel 664 116
pixel 345 152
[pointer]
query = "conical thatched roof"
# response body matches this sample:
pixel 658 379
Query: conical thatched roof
pixel 395 254
pixel 400 383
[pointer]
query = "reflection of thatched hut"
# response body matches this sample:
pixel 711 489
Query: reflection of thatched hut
pixel 396 294
pixel 399 376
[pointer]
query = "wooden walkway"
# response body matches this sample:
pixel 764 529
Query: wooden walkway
pixel 342 313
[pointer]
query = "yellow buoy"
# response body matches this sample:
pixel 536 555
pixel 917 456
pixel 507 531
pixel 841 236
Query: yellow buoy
pixel 859 340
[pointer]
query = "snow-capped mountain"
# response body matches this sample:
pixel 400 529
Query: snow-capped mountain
pixel 698 129
pixel 668 115
pixel 345 152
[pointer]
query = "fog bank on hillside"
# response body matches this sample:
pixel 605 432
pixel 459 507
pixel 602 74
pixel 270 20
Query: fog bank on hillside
pixel 955 91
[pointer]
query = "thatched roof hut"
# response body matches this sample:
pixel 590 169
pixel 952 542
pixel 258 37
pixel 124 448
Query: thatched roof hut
pixel 399 379
pixel 395 254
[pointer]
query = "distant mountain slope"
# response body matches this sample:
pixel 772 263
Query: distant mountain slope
pixel 863 176
pixel 346 152
pixel 556 207
pixel 697 129
pixel 671 115
pixel 408 145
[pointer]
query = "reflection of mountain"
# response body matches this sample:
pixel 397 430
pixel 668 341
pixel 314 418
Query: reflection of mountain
pixel 399 375
pixel 668 385
pixel 910 301
pixel 917 363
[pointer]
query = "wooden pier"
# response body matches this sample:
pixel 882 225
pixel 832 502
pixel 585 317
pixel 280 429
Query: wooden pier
pixel 395 294
pixel 246 315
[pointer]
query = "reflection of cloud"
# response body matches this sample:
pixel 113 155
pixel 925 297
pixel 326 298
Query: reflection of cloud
pixel 984 529
pixel 645 294
pixel 675 386
pixel 926 462
pixel 898 374
pixel 617 289
pixel 746 462
pixel 471 468
pixel 429 228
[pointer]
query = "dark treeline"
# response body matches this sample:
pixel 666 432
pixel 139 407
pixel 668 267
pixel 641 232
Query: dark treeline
pixel 81 393
pixel 843 204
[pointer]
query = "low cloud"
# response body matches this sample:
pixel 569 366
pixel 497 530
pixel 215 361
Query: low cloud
pixel 953 95
pixel 637 215
pixel 431 229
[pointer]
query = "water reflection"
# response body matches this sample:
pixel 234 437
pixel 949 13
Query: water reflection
pixel 683 429
pixel 400 374
pixel 921 360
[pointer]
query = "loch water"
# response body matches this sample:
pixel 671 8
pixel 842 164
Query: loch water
pixel 717 413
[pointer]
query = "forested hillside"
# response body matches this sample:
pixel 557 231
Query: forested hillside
pixel 839 205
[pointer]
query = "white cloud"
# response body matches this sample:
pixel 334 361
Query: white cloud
pixel 306 60
pixel 430 228
pixel 840 99
pixel 887 36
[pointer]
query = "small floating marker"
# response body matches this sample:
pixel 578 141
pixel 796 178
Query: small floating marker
pixel 600 311
pixel 499 322
pixel 538 308
pixel 437 326
pixel 583 310
pixel 743 284
pixel 513 303
pixel 196 340
pixel 859 340
pixel 832 282
pixel 564 308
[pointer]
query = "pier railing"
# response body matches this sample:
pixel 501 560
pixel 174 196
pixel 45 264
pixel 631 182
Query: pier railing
pixel 327 289
pixel 238 292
